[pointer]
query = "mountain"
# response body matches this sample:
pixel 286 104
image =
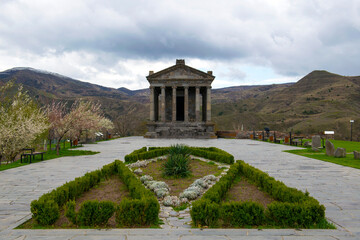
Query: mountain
pixel 319 101
pixel 46 87
pixel 57 85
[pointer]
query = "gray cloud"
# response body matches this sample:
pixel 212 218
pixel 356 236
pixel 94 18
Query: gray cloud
pixel 290 37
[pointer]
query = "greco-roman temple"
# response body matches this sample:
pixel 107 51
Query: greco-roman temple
pixel 180 103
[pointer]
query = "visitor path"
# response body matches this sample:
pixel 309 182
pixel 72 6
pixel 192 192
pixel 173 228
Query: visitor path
pixel 337 187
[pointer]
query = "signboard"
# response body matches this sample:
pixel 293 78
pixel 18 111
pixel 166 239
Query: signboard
pixel 329 132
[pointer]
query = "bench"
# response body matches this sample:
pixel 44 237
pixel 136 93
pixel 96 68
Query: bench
pixel 30 153
pixel 278 140
pixel 297 141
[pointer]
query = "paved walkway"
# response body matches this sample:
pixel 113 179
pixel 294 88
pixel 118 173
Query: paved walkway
pixel 337 187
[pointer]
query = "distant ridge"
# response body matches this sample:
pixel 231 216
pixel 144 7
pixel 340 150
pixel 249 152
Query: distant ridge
pixel 319 101
pixel 15 69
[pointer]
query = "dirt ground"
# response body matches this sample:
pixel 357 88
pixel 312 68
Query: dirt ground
pixel 198 170
pixel 112 189
pixel 243 191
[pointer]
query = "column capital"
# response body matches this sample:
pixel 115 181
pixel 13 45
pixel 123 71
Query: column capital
pixel 163 86
pixel 174 87
pixel 186 87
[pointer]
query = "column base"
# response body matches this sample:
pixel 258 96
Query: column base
pixel 199 130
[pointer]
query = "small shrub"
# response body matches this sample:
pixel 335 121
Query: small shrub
pixel 45 212
pixel 177 165
pixel 95 213
pixel 239 214
pixel 205 213
pixel 70 211
pixel 179 149
pixel 137 212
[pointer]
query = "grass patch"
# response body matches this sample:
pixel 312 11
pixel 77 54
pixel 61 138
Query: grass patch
pixel 48 156
pixel 350 146
pixel 348 161
pixel 181 207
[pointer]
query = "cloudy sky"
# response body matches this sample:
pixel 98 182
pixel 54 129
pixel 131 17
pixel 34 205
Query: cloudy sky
pixel 115 43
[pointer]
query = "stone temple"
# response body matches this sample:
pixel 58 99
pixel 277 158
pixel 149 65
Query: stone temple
pixel 180 103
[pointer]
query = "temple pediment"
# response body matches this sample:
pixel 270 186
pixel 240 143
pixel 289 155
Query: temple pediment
pixel 180 71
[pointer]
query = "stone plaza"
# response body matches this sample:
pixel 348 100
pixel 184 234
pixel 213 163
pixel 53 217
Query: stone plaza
pixel 336 187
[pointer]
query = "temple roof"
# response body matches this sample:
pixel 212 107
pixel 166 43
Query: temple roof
pixel 180 71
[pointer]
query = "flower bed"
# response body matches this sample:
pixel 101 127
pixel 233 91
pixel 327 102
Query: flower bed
pixel 142 209
pixel 292 207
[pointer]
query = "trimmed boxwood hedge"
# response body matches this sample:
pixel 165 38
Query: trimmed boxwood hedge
pixel 136 155
pixel 211 153
pixel 293 208
pixel 46 211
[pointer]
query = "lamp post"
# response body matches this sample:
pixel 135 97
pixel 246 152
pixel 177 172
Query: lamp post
pixel 351 123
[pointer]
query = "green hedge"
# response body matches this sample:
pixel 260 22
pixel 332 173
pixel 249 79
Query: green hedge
pixel 304 214
pixel 135 156
pixel 214 154
pixel 211 153
pixel 92 213
pixel 46 210
pixel 205 213
pixel 293 208
pixel 144 209
pixel 238 214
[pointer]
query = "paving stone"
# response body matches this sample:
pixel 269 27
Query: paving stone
pixel 333 185
pixel 174 214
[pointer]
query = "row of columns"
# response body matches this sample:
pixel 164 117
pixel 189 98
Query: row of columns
pixel 186 104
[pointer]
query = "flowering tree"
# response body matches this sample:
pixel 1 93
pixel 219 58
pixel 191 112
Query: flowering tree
pixel 82 116
pixel 21 121
pixel 60 122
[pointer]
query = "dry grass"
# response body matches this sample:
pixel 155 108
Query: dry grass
pixel 243 191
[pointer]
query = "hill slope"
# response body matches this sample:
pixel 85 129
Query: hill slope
pixel 46 87
pixel 317 102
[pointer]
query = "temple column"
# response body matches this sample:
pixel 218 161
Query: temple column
pixel 186 104
pixel 197 104
pixel 174 104
pixel 208 104
pixel 163 104
pixel 152 104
